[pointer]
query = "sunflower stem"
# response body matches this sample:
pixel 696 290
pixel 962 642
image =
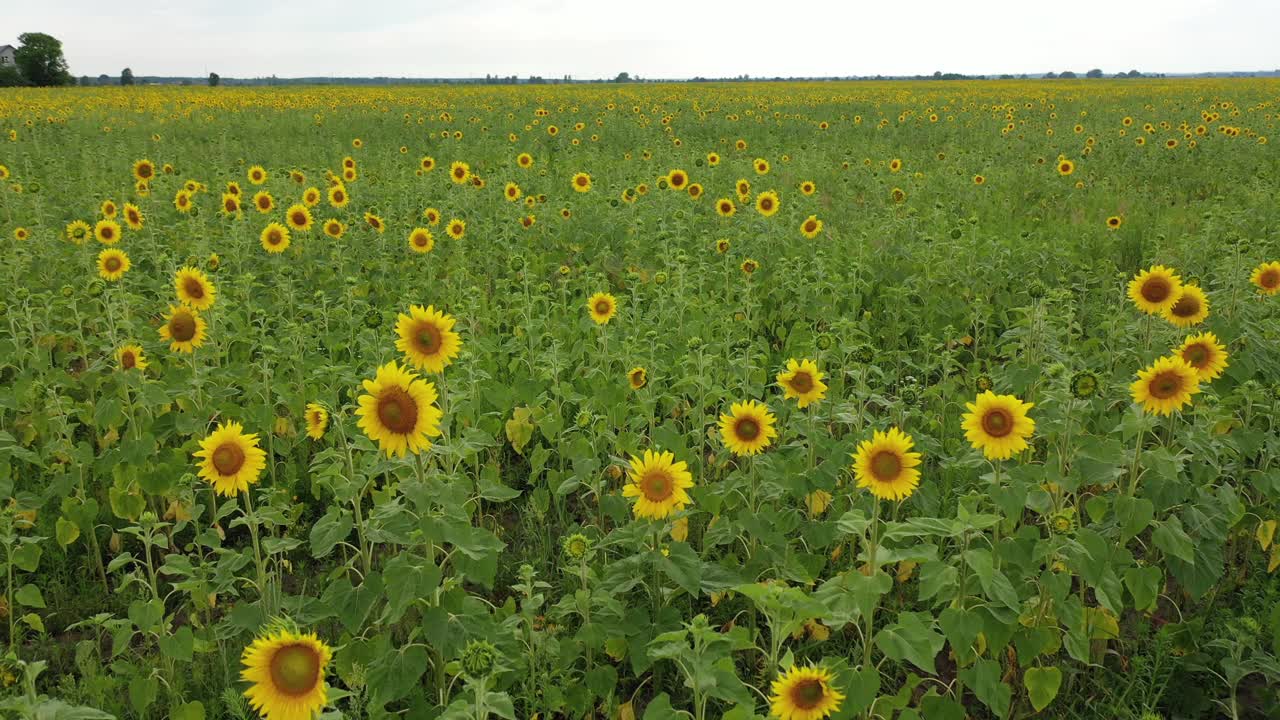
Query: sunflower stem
pixel 252 520
pixel 1133 471
pixel 871 558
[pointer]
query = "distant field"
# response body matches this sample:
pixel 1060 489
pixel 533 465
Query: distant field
pixel 576 401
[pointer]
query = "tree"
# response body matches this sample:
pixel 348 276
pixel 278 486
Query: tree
pixel 10 77
pixel 40 60
pixel 126 77
pixel 214 79
pixel 1068 75
pixel 623 77
pixel 1094 73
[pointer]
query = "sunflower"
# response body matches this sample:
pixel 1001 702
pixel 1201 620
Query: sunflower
pixel 725 207
pixel 804 693
pixel 1166 385
pixel 334 228
pixel 886 466
pixel 803 381
pixel 133 216
pixel 298 217
pixel 112 264
pixel 286 670
pixel 581 182
pixel 311 196
pixel 230 204
pixel 749 266
pixel 761 165
pixel 427 163
pixel 108 209
pixel 637 377
pixel 1066 167
pixel 1190 308
pixel 456 228
pixel 263 201
pixel 1114 222
pixel 275 238
pixel 998 425
pixel 1203 353
pixel 713 159
pixel 421 241
pixel 767 203
pixel 375 222
pixel 658 484
pixel 21 234
pixel 524 160
pixel 722 246
pixel 743 188
pixel 183 328
pixel 230 460
pixel 602 307
pixel 511 192
pixel 898 195
pixel 811 227
pixel 695 190
pixel 317 420
pixel 297 176
pixel 257 175
pixel 1155 290
pixel 397 411
pixel 1267 278
pixel 130 357
pixel 677 179
pixel 144 170
pixel 107 232
pixel 808 187
pixel 78 231
pixel 748 428
pixel 194 289
pixel 427 339
pixel 182 201
pixel 460 172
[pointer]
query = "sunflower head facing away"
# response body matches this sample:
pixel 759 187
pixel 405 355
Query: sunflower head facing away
pixel 803 381
pixel 748 428
pixel 1166 385
pixel 998 425
pixel 397 411
pixel 1155 290
pixel 886 466
pixel 602 307
pixel 230 459
pixel 804 693
pixel 658 485
pixel 286 675
pixel 427 339
pixel 1203 353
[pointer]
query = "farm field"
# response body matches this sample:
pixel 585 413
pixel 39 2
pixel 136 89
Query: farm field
pixel 896 400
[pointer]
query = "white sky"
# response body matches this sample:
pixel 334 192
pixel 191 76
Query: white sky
pixel 650 38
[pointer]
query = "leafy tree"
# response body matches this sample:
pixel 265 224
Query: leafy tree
pixel 1068 75
pixel 104 79
pixel 40 60
pixel 10 77
pixel 126 77
pixel 623 77
pixel 1094 73
pixel 214 79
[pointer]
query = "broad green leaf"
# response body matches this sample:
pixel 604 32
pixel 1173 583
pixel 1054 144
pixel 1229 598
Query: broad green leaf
pixel 1042 685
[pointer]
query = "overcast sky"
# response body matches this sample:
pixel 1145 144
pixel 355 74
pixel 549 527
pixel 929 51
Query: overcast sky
pixel 650 38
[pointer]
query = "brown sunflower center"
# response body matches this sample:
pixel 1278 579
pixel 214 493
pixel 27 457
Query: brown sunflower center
pixel 1269 279
pixel 808 694
pixel 298 218
pixel 182 326
pixel 128 360
pixel 1165 385
pixel 802 382
pixel 295 669
pixel 274 237
pixel 997 422
pixel 112 264
pixel 397 411
pixel 810 225
pixel 144 171
pixel 428 338
pixel 231 205
pixel 602 307
pixel 227 459
pixel 657 485
pixel 194 288
pixel 582 181
pixel 1187 306
pixel 637 378
pixel 108 233
pixel 766 204
pixel 264 202
pixel 1156 290
pixel 1197 356
pixel 886 466
pixel 747 429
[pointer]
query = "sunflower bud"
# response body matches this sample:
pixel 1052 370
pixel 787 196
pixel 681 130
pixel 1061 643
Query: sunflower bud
pixel 478 658
pixel 576 546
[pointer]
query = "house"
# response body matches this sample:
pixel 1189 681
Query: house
pixel 6 55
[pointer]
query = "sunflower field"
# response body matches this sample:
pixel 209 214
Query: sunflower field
pixel 634 402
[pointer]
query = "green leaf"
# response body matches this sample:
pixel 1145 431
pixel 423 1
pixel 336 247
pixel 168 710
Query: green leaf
pixel 994 583
pixel 188 711
pixel 861 690
pixel 330 530
pixel 1171 538
pixel 984 678
pixel 1144 585
pixel 180 645
pixel 146 615
pixel 1042 685
pixel 602 680
pixel 142 693
pixel 29 596
pixel 34 622
pixel 1134 514
pixel 659 708
pixel 66 532
pixel 396 674
pixel 27 557
pixel 912 638
pixel 682 566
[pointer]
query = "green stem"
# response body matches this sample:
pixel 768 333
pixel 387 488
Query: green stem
pixel 871 557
